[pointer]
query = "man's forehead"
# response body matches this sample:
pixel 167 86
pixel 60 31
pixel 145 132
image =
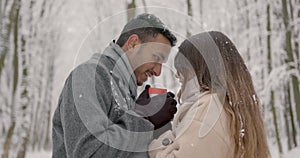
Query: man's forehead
pixel 159 38
pixel 160 48
pixel 158 45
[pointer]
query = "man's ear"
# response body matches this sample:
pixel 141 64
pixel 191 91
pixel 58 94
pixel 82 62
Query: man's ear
pixel 132 41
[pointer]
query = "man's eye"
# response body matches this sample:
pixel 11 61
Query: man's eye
pixel 156 58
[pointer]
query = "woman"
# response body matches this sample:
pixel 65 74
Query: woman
pixel 219 115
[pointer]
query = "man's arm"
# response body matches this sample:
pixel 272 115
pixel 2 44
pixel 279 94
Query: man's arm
pixel 84 113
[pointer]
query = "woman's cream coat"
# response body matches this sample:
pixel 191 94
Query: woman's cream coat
pixel 200 129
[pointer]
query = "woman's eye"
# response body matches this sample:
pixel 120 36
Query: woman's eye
pixel 177 75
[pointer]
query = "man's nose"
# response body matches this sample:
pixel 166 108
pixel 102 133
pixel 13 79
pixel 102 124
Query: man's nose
pixel 157 69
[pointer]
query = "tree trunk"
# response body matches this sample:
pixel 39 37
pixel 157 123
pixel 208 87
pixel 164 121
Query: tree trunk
pixel 272 101
pixel 14 17
pixel 292 121
pixel 290 56
pixel 145 6
pixel 289 120
pixel 7 143
pixel 22 152
pixel 190 14
pixel 5 33
pixel 131 10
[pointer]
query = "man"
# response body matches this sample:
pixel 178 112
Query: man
pixel 99 113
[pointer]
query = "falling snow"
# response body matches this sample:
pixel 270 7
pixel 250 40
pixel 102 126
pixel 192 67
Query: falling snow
pixel 68 33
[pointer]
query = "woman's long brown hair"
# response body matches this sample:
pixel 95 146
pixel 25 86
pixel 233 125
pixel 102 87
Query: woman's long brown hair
pixel 241 102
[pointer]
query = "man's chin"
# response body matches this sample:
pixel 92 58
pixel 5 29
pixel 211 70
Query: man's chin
pixel 140 84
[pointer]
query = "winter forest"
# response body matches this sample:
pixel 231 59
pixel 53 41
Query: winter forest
pixel 41 41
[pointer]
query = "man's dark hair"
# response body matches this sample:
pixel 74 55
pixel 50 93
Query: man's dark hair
pixel 145 26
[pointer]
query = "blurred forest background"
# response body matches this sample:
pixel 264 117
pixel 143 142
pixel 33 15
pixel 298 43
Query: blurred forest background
pixel 41 41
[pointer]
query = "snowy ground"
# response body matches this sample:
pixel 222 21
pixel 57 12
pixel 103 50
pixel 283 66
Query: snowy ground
pixel 41 154
pixel 295 153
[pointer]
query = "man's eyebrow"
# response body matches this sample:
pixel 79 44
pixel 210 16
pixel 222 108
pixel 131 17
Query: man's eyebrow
pixel 161 56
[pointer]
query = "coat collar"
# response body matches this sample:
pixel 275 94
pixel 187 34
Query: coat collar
pixel 193 101
pixel 122 67
pixel 188 111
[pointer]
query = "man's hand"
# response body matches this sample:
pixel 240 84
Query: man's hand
pixel 159 110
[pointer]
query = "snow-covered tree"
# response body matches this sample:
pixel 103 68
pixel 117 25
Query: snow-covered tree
pixel 26 78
